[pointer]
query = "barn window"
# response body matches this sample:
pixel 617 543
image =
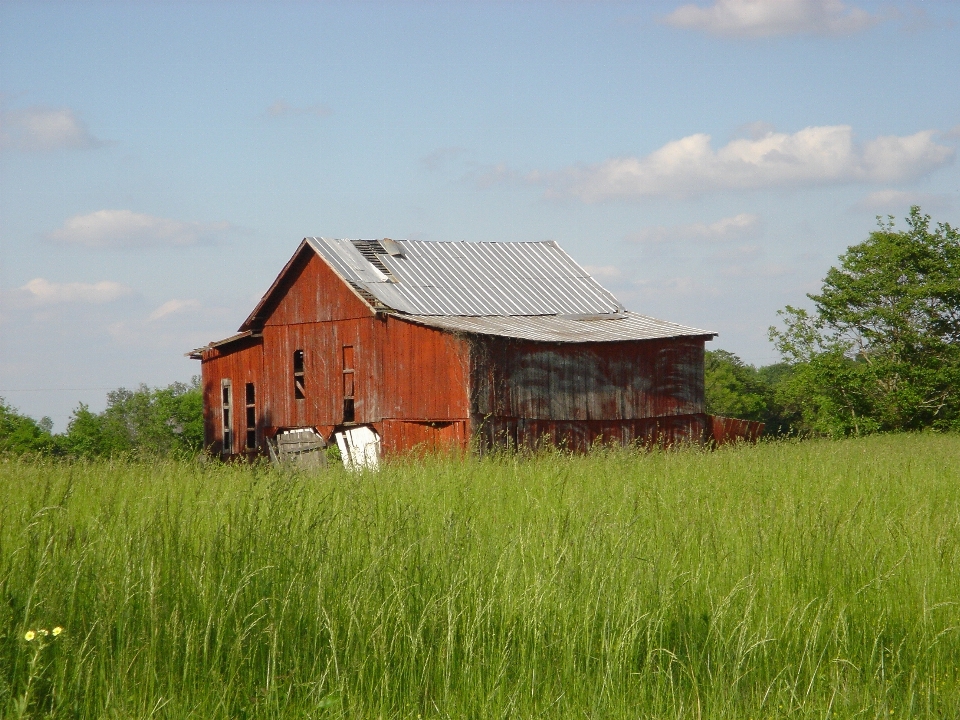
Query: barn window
pixel 348 384
pixel 298 381
pixel 226 399
pixel 251 417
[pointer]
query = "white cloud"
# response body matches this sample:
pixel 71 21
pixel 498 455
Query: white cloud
pixel 765 18
pixel 724 229
pixel 813 156
pixel 884 201
pixel 173 307
pixel 42 128
pixel 123 228
pixel 281 108
pixel 40 291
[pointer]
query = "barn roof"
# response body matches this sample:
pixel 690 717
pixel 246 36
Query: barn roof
pixel 469 279
pixel 525 290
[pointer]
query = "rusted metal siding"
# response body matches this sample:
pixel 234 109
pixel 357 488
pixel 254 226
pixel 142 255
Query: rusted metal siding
pixel 575 395
pixel 608 381
pixel 724 430
pixel 581 435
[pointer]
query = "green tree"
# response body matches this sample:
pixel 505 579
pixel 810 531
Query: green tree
pixel 160 420
pixel 733 388
pixel 881 349
pixel 736 389
pixel 20 434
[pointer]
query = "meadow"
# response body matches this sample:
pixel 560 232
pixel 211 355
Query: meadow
pixel 785 580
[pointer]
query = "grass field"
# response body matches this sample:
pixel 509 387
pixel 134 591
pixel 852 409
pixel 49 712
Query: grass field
pixel 800 580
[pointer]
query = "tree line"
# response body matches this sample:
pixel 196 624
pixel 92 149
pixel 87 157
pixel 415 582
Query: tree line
pixel 165 421
pixel 878 351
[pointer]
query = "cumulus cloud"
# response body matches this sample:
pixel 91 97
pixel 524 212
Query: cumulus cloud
pixel 174 307
pixel 283 109
pixel 40 291
pixel 42 128
pixel 765 18
pixel 724 229
pixel 813 156
pixel 884 201
pixel 124 228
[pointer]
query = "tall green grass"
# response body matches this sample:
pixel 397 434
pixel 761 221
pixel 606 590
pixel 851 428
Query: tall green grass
pixel 801 580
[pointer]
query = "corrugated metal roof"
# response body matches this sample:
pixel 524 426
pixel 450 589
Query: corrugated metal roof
pixel 547 328
pixel 469 279
pixel 525 290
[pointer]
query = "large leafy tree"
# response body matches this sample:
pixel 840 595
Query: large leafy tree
pixel 881 349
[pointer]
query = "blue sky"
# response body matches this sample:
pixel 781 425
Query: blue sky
pixel 708 162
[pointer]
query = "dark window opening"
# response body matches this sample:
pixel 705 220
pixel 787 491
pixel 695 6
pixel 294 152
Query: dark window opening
pixel 226 408
pixel 251 417
pixel 348 384
pixel 299 391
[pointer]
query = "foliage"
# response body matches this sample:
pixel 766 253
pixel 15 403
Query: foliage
pixel 160 420
pixel 733 388
pixel 783 580
pixel 156 421
pixel 881 350
pixel 20 434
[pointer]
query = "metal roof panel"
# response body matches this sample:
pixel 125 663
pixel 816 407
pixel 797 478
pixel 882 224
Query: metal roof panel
pixel 613 328
pixel 471 279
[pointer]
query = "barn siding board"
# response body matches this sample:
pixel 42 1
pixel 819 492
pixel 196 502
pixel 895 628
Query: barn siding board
pixel 241 362
pixel 407 435
pixel 581 435
pixel 312 293
pixel 616 381
pixel 426 373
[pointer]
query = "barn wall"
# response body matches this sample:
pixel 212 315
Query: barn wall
pixel 587 381
pixel 312 293
pixel 401 371
pixel 241 362
pixel 577 394
pixel 426 373
pixel 323 348
pixel 581 435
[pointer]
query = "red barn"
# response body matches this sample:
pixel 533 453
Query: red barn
pixel 438 344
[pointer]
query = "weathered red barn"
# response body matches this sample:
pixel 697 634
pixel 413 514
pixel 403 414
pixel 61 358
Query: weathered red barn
pixel 437 344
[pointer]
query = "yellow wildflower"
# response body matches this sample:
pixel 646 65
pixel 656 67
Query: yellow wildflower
pixel 57 630
pixel 29 635
pixel 43 632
